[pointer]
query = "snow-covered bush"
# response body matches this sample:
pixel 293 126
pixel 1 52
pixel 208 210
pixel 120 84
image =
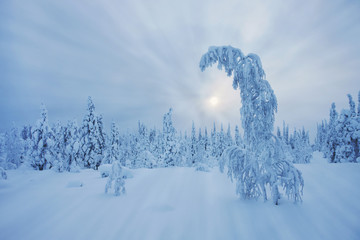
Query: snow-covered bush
pixel 261 162
pixel 202 167
pixel 3 173
pixel 117 176
pixel 342 134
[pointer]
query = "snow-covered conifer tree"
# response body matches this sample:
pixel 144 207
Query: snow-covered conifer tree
pixel 184 150
pixel 155 143
pixel 14 147
pixel 193 144
pixel 321 136
pixel 278 133
pixel 356 135
pixel 229 140
pixel 207 145
pixel 101 135
pixel 2 151
pixel 200 149
pixel 221 141
pixel 214 142
pixel 260 163
pixel 353 131
pixel 91 138
pixel 72 156
pixel 238 139
pixel 285 133
pixel 41 155
pixel 59 164
pixel 301 149
pixel 170 143
pixel 358 107
pixel 346 127
pixel 26 135
pixel 344 151
pixel 352 106
pixel 113 149
pixel 332 140
pixel 134 146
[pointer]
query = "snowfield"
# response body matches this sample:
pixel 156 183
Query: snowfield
pixel 176 203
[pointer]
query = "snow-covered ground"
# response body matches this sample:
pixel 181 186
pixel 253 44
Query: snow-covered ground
pixel 176 203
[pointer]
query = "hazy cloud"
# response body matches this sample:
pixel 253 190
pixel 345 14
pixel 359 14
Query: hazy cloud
pixel 138 58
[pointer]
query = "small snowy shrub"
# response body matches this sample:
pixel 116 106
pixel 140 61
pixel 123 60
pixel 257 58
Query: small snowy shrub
pixel 116 176
pixel 3 173
pixel 202 167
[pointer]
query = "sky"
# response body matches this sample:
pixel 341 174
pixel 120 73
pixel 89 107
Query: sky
pixel 136 59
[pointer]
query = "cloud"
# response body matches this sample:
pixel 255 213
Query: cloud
pixel 138 58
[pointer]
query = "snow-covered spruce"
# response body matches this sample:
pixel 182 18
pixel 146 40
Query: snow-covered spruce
pixel 117 177
pixel 41 150
pixel 262 161
pixel 170 145
pixel 92 140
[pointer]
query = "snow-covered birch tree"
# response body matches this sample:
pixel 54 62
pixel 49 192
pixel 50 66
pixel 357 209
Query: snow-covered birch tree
pixel 261 163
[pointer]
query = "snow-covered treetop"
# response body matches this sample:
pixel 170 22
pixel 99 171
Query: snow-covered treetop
pixel 352 105
pixel 259 103
pixel 90 105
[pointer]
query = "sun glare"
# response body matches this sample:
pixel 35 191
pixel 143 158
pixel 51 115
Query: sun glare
pixel 214 101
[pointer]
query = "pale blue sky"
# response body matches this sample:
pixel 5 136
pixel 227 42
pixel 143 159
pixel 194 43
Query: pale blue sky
pixel 138 58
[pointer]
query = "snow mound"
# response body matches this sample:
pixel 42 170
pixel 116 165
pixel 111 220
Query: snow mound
pixel 74 184
pixel 126 172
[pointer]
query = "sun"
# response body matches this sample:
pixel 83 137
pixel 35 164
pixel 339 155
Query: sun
pixel 214 101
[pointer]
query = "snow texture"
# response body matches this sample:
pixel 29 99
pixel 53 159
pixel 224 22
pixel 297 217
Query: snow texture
pixel 177 203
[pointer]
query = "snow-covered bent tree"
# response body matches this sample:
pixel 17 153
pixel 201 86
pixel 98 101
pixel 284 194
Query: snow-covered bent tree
pixel 117 176
pixel 262 161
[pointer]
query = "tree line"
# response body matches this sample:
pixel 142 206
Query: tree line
pixel 68 147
